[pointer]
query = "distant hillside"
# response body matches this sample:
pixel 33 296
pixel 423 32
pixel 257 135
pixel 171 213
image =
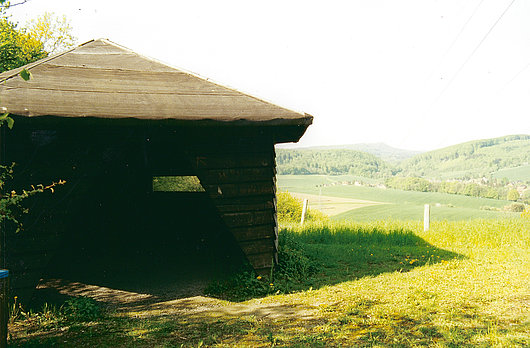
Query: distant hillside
pixel 472 159
pixel 502 157
pixel 331 162
pixel 381 150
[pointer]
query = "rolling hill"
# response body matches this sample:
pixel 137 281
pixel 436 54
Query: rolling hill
pixel 507 156
pixel 473 159
pixel 381 150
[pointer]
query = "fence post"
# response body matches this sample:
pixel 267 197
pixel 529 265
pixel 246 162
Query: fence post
pixel 304 211
pixel 4 309
pixel 426 217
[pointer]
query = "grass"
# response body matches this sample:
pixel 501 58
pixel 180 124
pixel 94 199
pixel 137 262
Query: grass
pixel 401 205
pixel 521 173
pixel 378 284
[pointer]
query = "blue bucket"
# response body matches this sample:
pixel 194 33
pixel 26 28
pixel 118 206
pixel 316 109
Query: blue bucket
pixel 4 273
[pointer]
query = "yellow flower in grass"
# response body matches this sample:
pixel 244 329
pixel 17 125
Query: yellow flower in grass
pixel 258 277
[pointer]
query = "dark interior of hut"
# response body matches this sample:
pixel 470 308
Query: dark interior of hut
pixel 114 231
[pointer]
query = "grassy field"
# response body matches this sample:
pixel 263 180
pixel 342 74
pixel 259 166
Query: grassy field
pixel 519 173
pixel 402 205
pixel 384 284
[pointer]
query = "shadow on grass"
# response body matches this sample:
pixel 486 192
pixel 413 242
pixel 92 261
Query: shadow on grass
pixel 312 257
pixel 320 255
pixel 355 326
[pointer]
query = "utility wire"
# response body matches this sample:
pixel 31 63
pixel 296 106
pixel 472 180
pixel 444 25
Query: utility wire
pixel 465 62
pixel 517 75
pixel 455 39
pixel 472 53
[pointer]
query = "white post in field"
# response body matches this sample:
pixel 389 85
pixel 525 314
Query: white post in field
pixel 304 211
pixel 426 217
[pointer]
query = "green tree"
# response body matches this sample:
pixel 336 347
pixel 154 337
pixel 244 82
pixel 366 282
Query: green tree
pixel 54 32
pixel 17 47
pixel 513 195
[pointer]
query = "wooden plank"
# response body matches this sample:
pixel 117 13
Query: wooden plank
pixel 248 218
pixel 90 61
pixel 241 142
pixel 40 102
pixel 241 207
pixel 260 261
pixel 257 246
pixel 121 81
pixel 237 175
pixel 222 161
pixel 237 190
pixel 254 232
pixel 244 203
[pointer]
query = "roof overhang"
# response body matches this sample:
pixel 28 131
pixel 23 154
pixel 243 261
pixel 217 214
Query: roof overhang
pixel 102 80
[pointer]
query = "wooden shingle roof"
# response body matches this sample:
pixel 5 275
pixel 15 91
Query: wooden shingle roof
pixel 104 80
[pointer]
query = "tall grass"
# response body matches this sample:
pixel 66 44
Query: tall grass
pixel 488 233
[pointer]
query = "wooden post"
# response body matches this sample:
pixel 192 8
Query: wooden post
pixel 4 309
pixel 304 211
pixel 426 217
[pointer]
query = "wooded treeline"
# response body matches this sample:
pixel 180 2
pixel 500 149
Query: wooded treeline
pixel 475 159
pixel 495 189
pixel 334 162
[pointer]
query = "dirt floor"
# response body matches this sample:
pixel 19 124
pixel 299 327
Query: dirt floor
pixel 177 299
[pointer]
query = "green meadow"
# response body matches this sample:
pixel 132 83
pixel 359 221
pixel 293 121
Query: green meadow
pixel 395 204
pixel 377 284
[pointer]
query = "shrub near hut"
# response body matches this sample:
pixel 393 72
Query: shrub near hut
pixel 290 209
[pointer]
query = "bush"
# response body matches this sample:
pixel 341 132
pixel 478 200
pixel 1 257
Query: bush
pixel 294 268
pixel 513 195
pixel 290 208
pixel 82 309
pixel 293 262
pixel 515 207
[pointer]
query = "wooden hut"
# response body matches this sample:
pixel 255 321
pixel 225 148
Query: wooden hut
pixel 108 120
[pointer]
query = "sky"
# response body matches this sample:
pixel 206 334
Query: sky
pixel 416 75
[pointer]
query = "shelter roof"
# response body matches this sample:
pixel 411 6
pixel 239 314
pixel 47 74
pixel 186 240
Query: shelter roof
pixel 104 80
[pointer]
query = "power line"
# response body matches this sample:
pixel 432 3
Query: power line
pixel 517 75
pixel 465 62
pixel 472 53
pixel 455 39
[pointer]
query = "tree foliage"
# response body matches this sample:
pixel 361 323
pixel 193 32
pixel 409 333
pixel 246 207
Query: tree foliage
pixel 54 32
pixel 333 162
pixel 493 189
pixel 513 195
pixel 17 46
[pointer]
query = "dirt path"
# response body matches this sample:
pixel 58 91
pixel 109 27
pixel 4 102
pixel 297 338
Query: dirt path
pixel 333 205
pixel 179 300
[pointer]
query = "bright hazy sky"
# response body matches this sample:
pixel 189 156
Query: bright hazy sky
pixel 413 74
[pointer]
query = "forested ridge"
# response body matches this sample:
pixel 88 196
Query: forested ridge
pixel 331 162
pixel 474 159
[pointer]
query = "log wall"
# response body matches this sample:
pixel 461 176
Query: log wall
pixel 242 186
